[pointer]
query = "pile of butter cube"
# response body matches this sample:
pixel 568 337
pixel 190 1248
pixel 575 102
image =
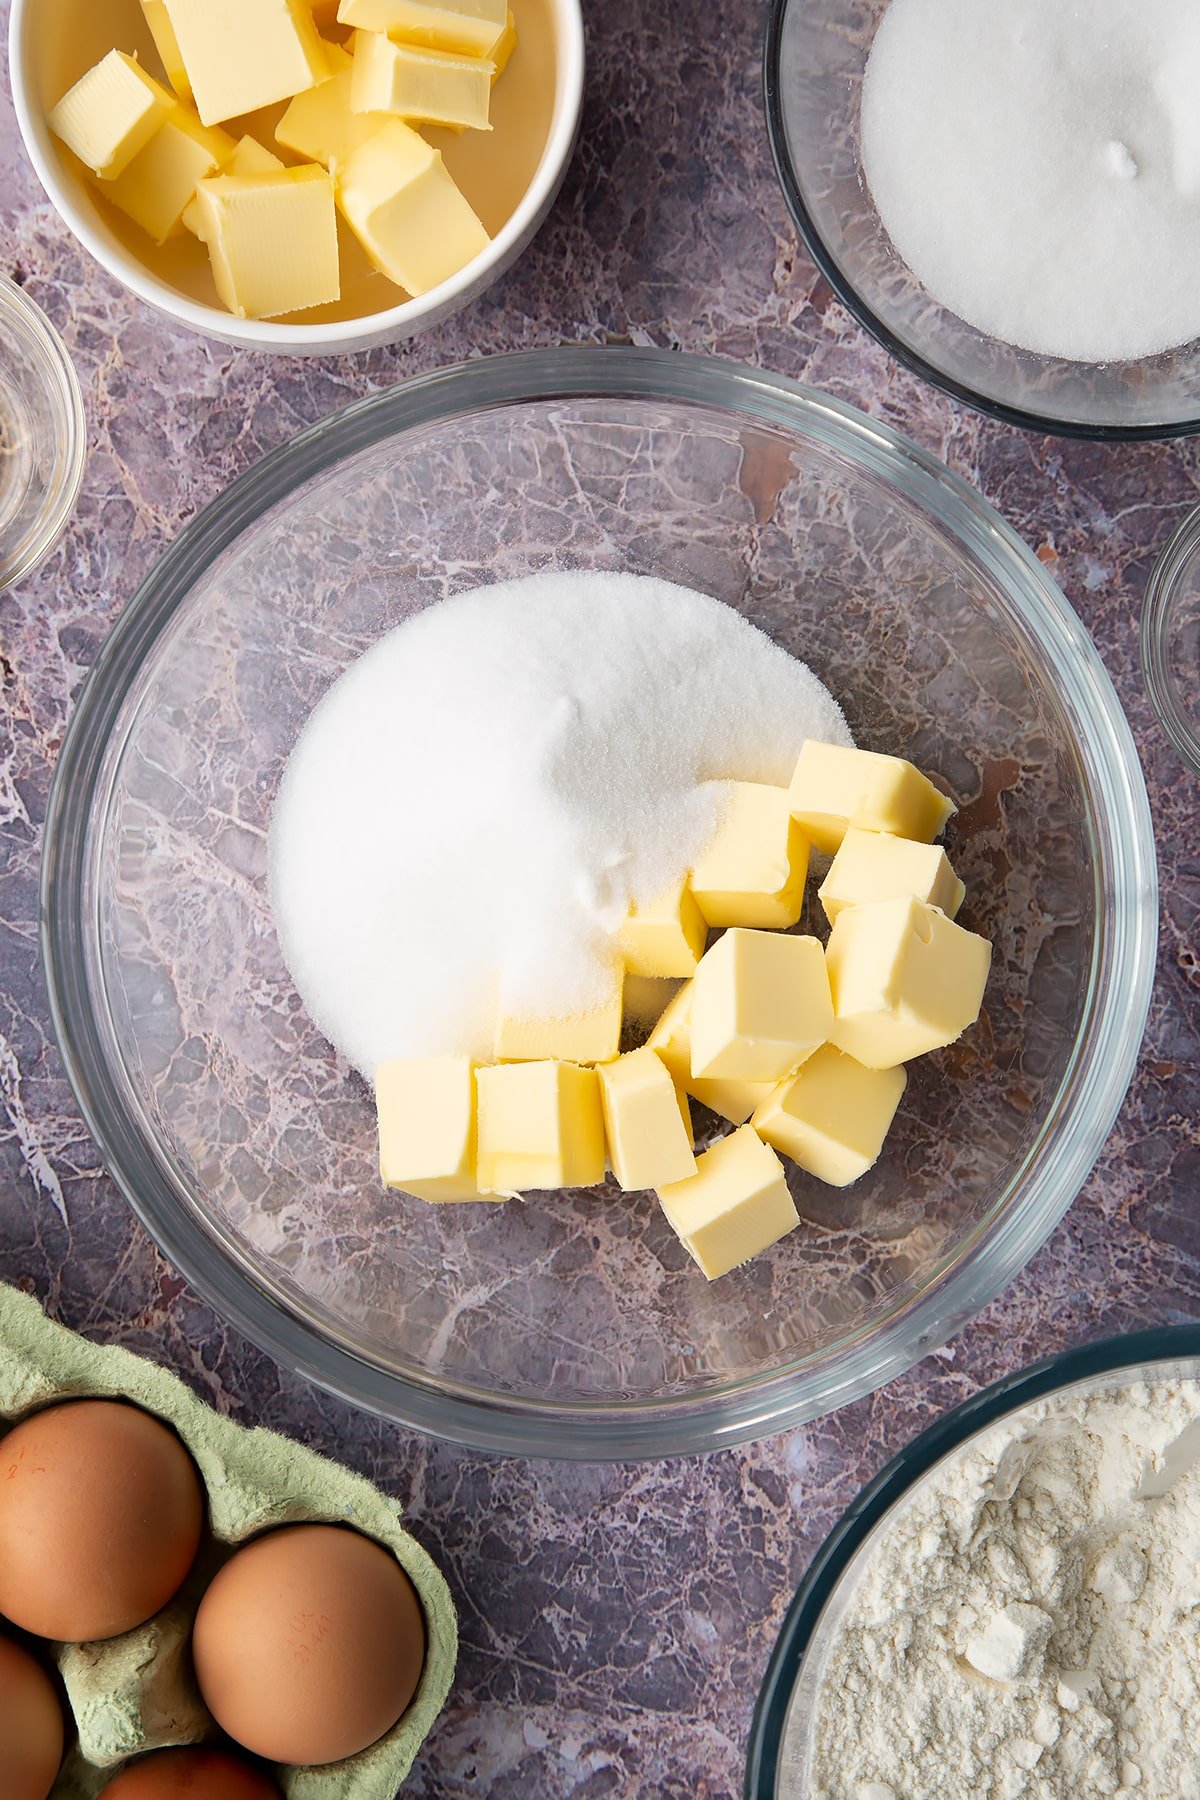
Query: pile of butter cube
pixel 163 157
pixel 806 1041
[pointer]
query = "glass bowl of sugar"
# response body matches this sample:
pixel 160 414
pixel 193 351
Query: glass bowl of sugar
pixel 1007 197
pixel 971 1622
pixel 573 1324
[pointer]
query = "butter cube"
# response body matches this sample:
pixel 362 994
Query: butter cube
pixel 502 50
pixel 832 1115
pixel 160 183
pixel 671 1041
pixel 587 1037
pixel 321 124
pixel 272 239
pixel 760 1005
pixel 834 788
pixel 249 158
pixel 540 1126
pixel 468 27
pixel 167 45
pixel 416 83
pixel 427 1127
pixel 905 980
pixel 406 211
pixel 667 937
pixel 111 113
pixel 243 54
pixel 648 1144
pixel 647 998
pixel 753 871
pixel 874 865
pixel 736 1204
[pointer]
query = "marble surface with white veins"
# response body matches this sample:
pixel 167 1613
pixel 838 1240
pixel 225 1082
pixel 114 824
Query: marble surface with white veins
pixel 616 1620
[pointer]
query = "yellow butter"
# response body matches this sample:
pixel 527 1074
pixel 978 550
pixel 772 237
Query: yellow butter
pixel 427 1141
pixel 648 1143
pixel 587 1037
pixel 160 183
pixel 760 1005
pixel 415 83
pixel 501 52
pixel 540 1126
pixel 874 865
pixel 167 45
pixel 754 870
pixel 665 938
pixel 647 998
pixel 321 124
pixel 469 27
pixel 243 54
pixel 736 1204
pixel 111 113
pixel 671 1040
pixel 905 980
pixel 832 1116
pixel 834 788
pixel 401 202
pixel 249 157
pixel 272 240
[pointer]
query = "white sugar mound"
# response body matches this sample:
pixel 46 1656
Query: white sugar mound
pixel 1037 165
pixel 470 810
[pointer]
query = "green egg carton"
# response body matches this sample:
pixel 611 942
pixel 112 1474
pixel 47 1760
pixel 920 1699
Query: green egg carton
pixel 136 1692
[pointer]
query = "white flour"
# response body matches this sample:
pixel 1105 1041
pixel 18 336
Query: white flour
pixel 1030 1624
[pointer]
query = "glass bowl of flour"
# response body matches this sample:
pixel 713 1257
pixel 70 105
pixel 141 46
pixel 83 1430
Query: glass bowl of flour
pixel 1005 1609
pixel 1006 196
pixel 574 1323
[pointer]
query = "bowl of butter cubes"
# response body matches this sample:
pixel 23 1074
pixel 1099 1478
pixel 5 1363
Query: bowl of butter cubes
pixel 308 176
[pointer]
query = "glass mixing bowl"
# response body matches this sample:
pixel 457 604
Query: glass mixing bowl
pixel 575 1325
pixel 782 1734
pixel 816 52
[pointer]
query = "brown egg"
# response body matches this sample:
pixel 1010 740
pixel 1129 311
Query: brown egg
pixel 31 1726
pixel 194 1774
pixel 100 1516
pixel 309 1644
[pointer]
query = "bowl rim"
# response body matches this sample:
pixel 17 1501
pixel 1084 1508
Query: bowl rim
pixel 849 296
pixel 1098 1070
pixel 870 1507
pixel 1155 638
pixel 334 337
pixel 27 318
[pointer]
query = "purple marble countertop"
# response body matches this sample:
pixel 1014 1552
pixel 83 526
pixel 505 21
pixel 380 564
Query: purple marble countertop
pixel 616 1620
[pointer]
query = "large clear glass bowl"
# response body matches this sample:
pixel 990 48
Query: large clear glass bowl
pixel 574 1325
pixel 816 52
pixel 783 1734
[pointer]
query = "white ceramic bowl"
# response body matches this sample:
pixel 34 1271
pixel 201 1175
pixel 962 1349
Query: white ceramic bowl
pixel 538 103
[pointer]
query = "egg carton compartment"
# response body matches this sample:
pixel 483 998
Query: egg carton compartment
pixel 136 1692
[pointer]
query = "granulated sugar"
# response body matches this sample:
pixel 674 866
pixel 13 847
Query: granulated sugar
pixel 470 810
pixel 1026 1626
pixel 1037 166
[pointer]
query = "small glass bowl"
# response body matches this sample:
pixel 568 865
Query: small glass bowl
pixel 815 54
pixel 781 1735
pixel 1171 640
pixel 42 435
